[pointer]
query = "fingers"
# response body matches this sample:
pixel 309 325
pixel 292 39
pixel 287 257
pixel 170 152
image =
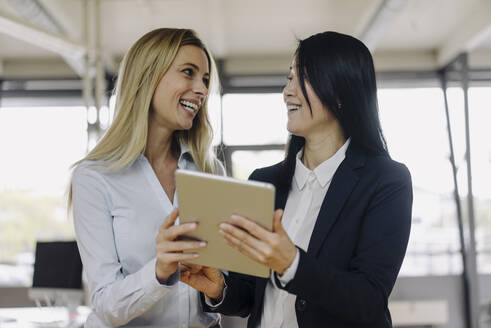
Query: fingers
pixel 173 232
pixel 243 247
pixel 253 228
pixel 190 267
pixel 212 272
pixel 195 268
pixel 278 215
pixel 179 246
pixel 170 219
pixel 185 277
pixel 176 257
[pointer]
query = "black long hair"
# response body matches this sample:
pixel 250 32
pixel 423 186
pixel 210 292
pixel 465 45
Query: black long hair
pixel 340 70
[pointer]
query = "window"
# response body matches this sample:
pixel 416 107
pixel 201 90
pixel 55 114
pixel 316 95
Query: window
pixel 245 162
pixel 480 119
pixel 414 124
pixel 37 145
pixel 254 119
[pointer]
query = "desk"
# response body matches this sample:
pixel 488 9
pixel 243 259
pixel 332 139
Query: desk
pixel 46 317
pixel 404 313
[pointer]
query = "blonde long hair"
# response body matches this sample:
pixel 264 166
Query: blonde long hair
pixel 141 70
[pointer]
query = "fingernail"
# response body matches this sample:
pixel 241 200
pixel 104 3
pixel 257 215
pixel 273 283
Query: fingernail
pixel 193 225
pixel 221 232
pixel 195 255
pixel 202 244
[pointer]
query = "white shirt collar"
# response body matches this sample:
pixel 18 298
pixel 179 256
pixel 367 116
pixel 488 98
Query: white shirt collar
pixel 324 171
pixel 184 150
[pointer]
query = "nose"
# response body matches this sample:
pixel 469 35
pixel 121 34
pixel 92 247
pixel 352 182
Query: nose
pixel 200 88
pixel 288 90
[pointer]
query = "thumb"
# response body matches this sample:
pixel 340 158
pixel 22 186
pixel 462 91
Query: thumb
pixel 277 226
pixel 171 218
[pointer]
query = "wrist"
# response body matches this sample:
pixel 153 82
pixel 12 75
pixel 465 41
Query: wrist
pixel 216 298
pixel 162 277
pixel 289 261
pixel 217 294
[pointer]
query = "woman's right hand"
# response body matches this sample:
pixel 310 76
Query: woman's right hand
pixel 169 250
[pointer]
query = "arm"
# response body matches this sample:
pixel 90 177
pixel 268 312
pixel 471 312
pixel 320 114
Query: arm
pixel 360 294
pixel 116 298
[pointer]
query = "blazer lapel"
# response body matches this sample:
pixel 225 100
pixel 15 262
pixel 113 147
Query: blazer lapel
pixel 343 182
pixel 280 199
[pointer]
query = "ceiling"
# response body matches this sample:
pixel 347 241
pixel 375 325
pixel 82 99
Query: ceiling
pixel 253 36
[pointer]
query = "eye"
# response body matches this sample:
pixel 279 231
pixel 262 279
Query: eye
pixel 206 81
pixel 188 71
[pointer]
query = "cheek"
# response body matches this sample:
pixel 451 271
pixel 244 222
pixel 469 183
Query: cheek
pixel 161 96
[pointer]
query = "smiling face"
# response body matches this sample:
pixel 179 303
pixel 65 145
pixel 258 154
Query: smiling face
pixel 301 121
pixel 182 90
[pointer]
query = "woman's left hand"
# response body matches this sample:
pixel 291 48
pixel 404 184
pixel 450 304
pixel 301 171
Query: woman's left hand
pixel 274 249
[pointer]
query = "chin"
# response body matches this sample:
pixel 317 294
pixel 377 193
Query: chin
pixel 294 130
pixel 186 125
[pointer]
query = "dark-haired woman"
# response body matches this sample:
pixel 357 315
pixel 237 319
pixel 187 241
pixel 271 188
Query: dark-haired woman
pixel 336 248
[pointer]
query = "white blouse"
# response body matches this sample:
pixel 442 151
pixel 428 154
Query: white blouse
pixel 117 215
pixel 301 210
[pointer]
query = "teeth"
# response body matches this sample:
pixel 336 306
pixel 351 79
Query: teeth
pixel 293 107
pixel 189 106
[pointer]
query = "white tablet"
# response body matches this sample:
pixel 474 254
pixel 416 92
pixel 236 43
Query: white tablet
pixel 210 200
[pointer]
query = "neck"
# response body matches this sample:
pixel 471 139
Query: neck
pixel 319 148
pixel 159 144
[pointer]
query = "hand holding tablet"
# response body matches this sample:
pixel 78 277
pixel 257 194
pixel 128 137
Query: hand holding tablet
pixel 210 200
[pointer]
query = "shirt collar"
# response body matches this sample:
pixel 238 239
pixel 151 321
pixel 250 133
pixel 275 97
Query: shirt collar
pixel 324 171
pixel 185 151
pixel 184 155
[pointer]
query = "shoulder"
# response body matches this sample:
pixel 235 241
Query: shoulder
pixel 98 173
pixel 266 174
pixel 87 177
pixel 89 168
pixel 386 169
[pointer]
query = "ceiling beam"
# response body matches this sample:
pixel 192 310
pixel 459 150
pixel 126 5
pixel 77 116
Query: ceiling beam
pixel 43 31
pixel 468 36
pixel 40 37
pixel 411 60
pixel 380 22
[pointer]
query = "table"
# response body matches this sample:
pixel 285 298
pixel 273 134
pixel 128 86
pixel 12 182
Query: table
pixel 46 317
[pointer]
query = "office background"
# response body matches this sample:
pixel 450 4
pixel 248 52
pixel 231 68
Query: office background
pixel 59 59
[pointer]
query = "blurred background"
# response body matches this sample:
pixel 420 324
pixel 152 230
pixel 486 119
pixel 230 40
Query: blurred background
pixel 59 60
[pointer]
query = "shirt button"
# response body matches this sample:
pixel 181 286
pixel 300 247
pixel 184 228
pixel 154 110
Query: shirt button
pixel 301 304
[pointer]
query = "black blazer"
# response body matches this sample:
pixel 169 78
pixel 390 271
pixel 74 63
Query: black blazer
pixel 357 246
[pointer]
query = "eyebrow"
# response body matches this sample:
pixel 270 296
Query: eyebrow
pixel 195 67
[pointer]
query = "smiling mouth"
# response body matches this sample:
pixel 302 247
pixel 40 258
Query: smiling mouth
pixel 292 108
pixel 189 106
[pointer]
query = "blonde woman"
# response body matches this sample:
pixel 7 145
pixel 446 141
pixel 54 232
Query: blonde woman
pixel 123 191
